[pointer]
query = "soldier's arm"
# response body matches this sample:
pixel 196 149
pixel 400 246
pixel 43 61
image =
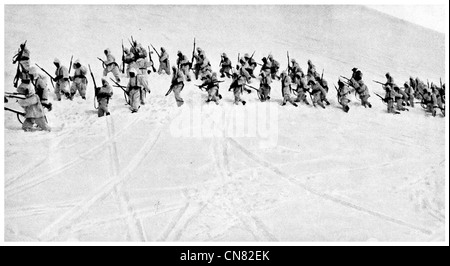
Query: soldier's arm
pixel 28 101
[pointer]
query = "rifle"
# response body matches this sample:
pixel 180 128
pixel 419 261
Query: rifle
pixel 95 87
pixel 250 86
pixel 93 79
pixel 15 95
pixel 19 53
pixel 170 89
pixel 193 51
pixel 70 65
pixel 103 62
pixel 289 67
pixel 380 97
pixel 125 93
pixel 213 82
pixel 123 58
pixel 15 59
pixel 337 90
pixel 379 82
pixel 51 78
pixel 221 60
pixel 321 77
pixel 150 58
pixel 156 51
pixel 119 86
pixel 19 113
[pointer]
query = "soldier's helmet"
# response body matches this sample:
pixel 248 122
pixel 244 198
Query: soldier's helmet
pixel 311 81
pixel 199 49
pixel 133 70
pixel 262 74
pixel 293 61
pixel 246 55
pixel 354 69
pixel 309 62
pixel 77 63
pixel 56 61
pixel 174 68
pixel 242 60
pixel 406 85
pixel 163 49
pixel 270 56
pixel 284 73
pixel 214 74
pixel 341 80
pixel 179 52
pixel 388 74
pixel 105 81
pixel 126 50
pixel 224 55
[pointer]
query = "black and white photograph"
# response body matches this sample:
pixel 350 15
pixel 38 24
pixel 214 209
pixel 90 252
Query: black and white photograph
pixel 225 123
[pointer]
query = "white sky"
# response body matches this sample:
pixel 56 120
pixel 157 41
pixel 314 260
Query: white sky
pixel 430 16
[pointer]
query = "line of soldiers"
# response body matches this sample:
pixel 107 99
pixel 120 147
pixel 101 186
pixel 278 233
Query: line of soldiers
pixel 431 97
pixel 295 85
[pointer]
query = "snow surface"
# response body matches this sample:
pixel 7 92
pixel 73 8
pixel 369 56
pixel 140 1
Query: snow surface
pixel 321 175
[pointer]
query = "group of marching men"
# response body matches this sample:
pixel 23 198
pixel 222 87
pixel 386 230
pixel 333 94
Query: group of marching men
pixel 296 86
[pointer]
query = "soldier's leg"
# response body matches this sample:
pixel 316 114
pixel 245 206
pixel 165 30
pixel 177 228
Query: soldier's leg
pixel 65 88
pixel 318 99
pixel 100 110
pixel 390 105
pixel 116 73
pixel 28 124
pixel 105 71
pixel 134 100
pixel 411 100
pixel 82 90
pixel 73 89
pixel 58 91
pixel 41 122
pixel 176 93
pixel 142 95
pixel 186 73
pixel 237 96
pixel 101 107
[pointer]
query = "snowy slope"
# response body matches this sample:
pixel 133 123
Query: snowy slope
pixel 321 175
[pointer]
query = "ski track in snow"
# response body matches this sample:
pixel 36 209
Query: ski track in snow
pixel 324 195
pixel 65 221
pixel 17 187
